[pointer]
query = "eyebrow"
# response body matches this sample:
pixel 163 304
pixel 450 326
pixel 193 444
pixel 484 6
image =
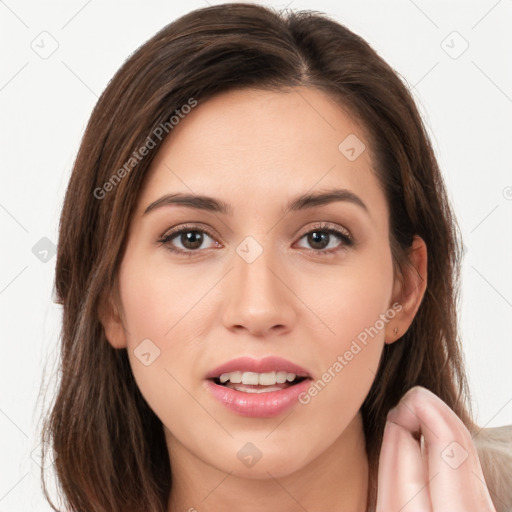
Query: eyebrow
pixel 302 202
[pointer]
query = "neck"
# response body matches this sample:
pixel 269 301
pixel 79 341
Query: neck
pixel 336 480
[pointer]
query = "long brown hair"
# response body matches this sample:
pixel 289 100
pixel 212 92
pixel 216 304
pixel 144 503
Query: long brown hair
pixel 109 447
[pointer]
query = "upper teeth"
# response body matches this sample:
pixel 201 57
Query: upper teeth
pixel 263 379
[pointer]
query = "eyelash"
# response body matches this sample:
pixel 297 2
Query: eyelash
pixel 345 237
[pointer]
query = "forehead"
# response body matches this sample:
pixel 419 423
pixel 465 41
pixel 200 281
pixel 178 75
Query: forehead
pixel 259 145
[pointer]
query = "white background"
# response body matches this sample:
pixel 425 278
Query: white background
pixel 46 102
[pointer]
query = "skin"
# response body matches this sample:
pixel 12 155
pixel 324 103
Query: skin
pixel 256 150
pixel 445 475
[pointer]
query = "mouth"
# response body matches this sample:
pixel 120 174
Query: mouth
pixel 258 388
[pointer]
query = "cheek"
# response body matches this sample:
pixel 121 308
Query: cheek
pixel 168 314
pixel 354 308
pixel 158 299
pixel 348 301
pixel 158 307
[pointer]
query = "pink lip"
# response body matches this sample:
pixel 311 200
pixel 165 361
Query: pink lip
pixel 258 405
pixel 265 365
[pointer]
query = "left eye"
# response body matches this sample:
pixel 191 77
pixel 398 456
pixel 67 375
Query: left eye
pixel 319 237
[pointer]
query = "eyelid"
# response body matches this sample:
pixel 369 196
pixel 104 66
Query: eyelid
pixel 326 226
pixel 191 226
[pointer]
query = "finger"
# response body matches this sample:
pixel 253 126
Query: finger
pixel 402 480
pixel 456 480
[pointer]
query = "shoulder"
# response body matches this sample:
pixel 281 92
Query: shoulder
pixel 494 446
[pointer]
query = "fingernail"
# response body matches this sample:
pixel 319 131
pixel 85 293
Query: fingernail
pixel 392 414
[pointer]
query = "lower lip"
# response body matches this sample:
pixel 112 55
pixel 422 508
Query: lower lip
pixel 258 405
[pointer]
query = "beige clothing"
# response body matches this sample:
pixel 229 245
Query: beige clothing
pixel 494 447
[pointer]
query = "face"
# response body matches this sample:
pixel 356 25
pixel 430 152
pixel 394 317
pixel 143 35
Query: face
pixel 302 291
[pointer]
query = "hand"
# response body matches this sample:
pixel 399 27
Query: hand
pixel 428 462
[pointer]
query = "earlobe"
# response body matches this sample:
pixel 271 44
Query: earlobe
pixel 409 290
pixel 112 323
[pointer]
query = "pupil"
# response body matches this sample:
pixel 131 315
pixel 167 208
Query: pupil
pixel 315 235
pixel 192 237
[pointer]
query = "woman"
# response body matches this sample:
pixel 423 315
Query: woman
pixel 258 268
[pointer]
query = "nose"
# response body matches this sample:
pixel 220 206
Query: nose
pixel 260 297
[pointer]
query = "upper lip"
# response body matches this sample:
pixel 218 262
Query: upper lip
pixel 265 365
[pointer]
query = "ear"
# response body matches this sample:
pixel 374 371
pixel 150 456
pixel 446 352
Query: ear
pixel 111 320
pixel 408 290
